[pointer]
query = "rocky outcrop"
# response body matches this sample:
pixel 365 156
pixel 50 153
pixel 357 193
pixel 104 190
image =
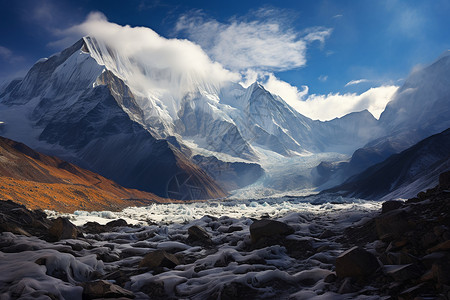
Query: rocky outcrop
pixel 62 228
pixel 412 242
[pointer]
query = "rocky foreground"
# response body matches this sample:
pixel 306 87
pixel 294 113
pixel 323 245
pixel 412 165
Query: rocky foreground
pixel 402 252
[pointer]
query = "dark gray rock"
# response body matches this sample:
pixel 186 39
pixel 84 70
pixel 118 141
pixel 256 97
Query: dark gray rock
pixel 198 234
pixel 104 289
pixel 159 259
pixel 265 228
pixel 356 263
pixel 391 205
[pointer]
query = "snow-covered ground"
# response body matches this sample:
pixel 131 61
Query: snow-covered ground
pixel 252 208
pixel 231 264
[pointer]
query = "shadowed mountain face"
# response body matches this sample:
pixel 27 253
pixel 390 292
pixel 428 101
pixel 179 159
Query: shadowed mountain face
pixel 87 105
pixel 143 125
pixel 45 182
pixel 86 114
pixel 403 174
pixel 420 108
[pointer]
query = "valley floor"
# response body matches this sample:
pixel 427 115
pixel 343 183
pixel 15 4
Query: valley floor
pixel 282 249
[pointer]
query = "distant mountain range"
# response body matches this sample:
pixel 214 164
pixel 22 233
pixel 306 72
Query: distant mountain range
pixel 187 137
pixel 404 174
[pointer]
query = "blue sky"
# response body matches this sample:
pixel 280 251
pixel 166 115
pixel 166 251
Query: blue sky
pixel 320 48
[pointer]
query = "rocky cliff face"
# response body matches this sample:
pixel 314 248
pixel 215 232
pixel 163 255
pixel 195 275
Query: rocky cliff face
pixel 81 111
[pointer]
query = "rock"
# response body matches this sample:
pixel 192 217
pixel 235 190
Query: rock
pixel 391 205
pixel 435 257
pixel 411 293
pixel 17 219
pixel 445 246
pixel 404 272
pixel 62 228
pixel 444 180
pixel 198 234
pixel 330 278
pixel 347 287
pixel 94 228
pixel 117 223
pixel 104 289
pixel 271 229
pixel 392 224
pixel 429 239
pixel 439 230
pixel 357 263
pixel 237 290
pixel 398 258
pixel 159 259
pixel 326 234
pixel 441 272
pixel 234 228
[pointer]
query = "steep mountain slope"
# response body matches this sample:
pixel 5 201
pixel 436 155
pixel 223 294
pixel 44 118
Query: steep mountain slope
pixel 403 174
pixel 420 108
pixel 140 124
pixel 40 181
pixel 74 107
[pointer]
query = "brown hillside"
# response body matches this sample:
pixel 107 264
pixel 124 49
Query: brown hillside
pixel 41 181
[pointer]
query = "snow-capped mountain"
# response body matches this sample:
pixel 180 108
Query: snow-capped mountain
pixel 419 109
pixel 74 107
pixel 140 124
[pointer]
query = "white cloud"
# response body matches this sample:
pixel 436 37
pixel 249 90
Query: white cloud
pixel 157 62
pixel 8 56
pixel 324 107
pixel 263 44
pixel 323 78
pixel 354 82
pixel 328 107
pixel 182 57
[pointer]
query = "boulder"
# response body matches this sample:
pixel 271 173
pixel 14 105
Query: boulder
pixel 444 180
pixel 198 234
pixel 117 223
pixel 356 263
pixel 444 246
pixel 270 229
pixel 404 272
pixel 62 228
pixel 159 259
pixel 391 205
pixel 17 219
pixel 104 289
pixel 392 225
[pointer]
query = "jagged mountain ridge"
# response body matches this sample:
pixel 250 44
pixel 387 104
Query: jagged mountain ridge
pixel 83 104
pixel 97 126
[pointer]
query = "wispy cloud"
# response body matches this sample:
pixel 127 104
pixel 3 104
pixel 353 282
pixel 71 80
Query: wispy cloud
pixel 323 78
pixel 8 56
pixel 263 43
pixel 355 82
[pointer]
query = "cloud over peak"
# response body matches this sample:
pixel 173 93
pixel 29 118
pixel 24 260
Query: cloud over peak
pixel 262 43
